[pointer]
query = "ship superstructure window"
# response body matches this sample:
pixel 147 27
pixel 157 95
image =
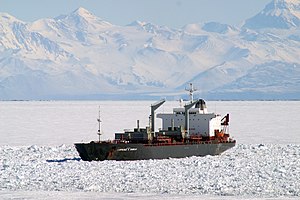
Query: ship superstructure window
pixel 179 113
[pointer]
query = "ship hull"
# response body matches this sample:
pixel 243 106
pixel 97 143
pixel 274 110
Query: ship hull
pixel 129 151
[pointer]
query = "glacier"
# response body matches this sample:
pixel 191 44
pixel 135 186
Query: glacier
pixel 80 56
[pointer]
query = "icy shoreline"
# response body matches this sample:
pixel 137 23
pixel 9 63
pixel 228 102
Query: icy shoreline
pixel 256 171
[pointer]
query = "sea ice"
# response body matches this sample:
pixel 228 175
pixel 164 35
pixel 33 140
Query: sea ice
pixel 37 158
pixel 260 171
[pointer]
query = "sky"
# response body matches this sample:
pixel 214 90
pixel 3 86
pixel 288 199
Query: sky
pixel 172 13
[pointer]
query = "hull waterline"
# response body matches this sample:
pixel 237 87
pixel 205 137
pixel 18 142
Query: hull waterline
pixel 109 151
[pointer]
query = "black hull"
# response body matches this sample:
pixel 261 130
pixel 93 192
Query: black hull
pixel 110 151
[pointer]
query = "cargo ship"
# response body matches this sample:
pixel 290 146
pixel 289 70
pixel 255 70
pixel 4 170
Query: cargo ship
pixel 190 130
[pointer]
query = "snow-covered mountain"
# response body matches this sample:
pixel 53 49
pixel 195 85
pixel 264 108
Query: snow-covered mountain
pixel 281 14
pixel 79 55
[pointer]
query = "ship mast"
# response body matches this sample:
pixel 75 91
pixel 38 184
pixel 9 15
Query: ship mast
pixel 191 90
pixel 99 123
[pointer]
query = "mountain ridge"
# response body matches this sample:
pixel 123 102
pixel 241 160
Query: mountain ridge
pixel 79 55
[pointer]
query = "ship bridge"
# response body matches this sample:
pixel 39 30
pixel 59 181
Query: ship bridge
pixel 200 108
pixel 200 122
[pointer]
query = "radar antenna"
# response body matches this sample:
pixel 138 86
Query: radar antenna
pixel 99 128
pixel 191 90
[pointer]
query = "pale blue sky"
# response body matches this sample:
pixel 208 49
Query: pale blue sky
pixel 172 13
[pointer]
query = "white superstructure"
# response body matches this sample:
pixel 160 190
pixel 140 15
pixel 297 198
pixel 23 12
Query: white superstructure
pixel 200 122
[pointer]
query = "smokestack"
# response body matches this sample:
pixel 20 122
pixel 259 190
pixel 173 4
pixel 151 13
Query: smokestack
pixel 138 125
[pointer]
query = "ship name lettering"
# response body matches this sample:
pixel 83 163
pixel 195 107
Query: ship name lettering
pixel 127 149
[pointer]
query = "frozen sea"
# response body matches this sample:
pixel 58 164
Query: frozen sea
pixel 38 159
